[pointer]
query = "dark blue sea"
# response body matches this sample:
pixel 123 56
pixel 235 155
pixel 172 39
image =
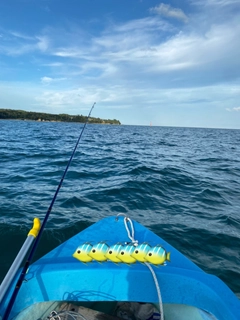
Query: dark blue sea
pixel 182 183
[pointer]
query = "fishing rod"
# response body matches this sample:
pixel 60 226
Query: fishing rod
pixel 34 247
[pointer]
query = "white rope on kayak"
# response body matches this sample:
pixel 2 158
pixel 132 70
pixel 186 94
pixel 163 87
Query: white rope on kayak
pixel 158 290
pixel 135 243
pixel 130 234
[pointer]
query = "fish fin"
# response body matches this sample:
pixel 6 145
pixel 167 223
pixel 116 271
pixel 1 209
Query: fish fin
pixel 168 256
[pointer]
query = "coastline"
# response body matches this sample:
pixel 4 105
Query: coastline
pixel 10 114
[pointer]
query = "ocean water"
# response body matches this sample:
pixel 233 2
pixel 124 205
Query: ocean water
pixel 182 183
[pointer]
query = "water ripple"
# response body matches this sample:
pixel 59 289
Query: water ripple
pixel 184 184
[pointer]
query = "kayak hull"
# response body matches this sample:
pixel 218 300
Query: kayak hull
pixel 58 276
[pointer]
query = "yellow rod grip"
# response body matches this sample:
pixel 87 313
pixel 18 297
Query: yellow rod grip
pixel 36 227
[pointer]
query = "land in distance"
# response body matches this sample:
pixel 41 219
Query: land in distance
pixel 41 116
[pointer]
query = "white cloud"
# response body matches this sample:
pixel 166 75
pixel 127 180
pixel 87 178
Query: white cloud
pixel 194 52
pixel 53 99
pixel 20 35
pixel 130 49
pixel 15 50
pixel 116 41
pixel 75 97
pixel 218 46
pixel 43 43
pixel 218 3
pixel 147 24
pixel 71 52
pixel 53 64
pixel 15 43
pixel 236 109
pixel 48 80
pixel 167 11
pixel 147 46
pixel 233 109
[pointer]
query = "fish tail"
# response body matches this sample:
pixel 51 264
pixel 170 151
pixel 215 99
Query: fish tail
pixel 168 256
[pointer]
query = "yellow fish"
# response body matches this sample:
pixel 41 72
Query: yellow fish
pixel 157 255
pixel 82 252
pixel 141 251
pixel 113 251
pixel 98 251
pixel 125 254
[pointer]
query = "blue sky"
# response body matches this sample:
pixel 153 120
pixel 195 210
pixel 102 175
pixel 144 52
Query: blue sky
pixel 172 63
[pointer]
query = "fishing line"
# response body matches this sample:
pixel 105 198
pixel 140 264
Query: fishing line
pixel 34 247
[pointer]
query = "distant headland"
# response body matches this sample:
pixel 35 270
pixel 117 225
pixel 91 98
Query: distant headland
pixel 10 114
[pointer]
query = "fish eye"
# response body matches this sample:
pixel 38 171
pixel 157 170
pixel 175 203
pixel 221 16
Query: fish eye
pixel 150 254
pixel 79 251
pixel 93 251
pixel 122 253
pixel 136 251
pixel 110 252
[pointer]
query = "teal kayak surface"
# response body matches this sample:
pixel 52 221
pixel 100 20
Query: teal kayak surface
pixel 184 287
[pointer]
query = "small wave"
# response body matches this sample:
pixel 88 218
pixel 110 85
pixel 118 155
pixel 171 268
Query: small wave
pixel 210 196
pixel 74 201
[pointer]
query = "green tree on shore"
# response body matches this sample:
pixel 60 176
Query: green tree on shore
pixel 40 116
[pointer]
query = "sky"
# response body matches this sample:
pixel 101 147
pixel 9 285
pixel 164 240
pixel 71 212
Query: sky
pixel 144 62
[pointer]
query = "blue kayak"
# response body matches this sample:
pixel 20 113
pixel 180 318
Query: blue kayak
pixel 118 262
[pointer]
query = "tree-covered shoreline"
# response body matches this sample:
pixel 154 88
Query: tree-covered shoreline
pixel 10 114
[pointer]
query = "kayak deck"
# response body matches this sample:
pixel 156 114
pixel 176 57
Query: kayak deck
pixel 59 277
